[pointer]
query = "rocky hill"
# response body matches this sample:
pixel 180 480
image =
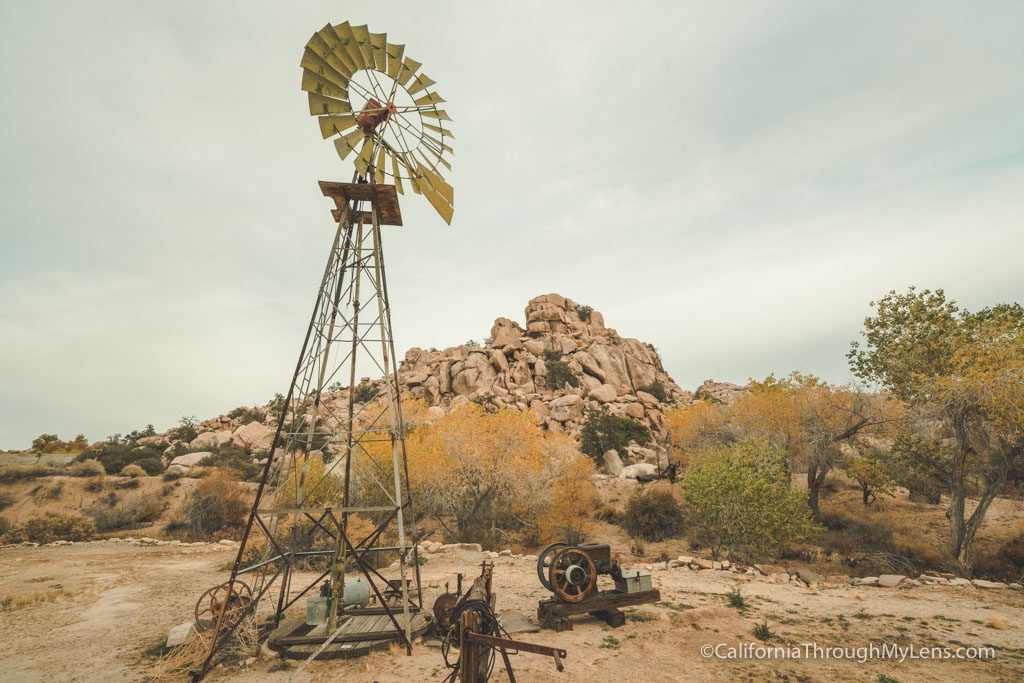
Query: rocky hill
pixel 563 361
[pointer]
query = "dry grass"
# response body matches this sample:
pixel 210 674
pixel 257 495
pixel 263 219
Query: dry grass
pixel 1001 623
pixel 8 602
pixel 189 656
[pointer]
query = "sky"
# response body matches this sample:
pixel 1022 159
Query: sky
pixel 732 182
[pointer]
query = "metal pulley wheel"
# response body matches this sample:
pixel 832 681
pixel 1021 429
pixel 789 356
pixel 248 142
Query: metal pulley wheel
pixel 234 598
pixel 573 575
pixel 547 554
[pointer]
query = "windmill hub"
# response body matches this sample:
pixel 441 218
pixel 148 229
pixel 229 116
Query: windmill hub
pixel 373 115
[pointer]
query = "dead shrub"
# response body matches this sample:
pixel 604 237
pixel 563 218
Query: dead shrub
pixel 51 527
pixel 609 513
pixel 1006 563
pixel 96 484
pixel 113 516
pixel 86 468
pixel 9 473
pixel 218 504
pixel 133 471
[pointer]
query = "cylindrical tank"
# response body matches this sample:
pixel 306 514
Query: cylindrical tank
pixel 357 594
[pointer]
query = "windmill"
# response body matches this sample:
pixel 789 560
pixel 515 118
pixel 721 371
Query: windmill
pixel 334 463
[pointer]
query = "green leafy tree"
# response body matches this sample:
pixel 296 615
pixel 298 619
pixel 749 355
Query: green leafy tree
pixel 46 443
pixel 560 374
pixel 603 431
pixel 657 390
pixel 739 496
pixel 963 370
pixel 873 469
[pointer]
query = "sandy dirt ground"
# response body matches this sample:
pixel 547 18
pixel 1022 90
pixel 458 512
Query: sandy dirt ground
pixel 110 603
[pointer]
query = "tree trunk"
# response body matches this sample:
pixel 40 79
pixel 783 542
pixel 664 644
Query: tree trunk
pixel 815 478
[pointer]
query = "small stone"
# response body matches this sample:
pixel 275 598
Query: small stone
pixel 866 581
pixel 179 634
pixel 982 583
pixel 890 580
pixel 702 563
pixel 959 581
pixel 505 553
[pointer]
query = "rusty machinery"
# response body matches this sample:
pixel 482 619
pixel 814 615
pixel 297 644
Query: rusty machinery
pixel 474 628
pixel 572 570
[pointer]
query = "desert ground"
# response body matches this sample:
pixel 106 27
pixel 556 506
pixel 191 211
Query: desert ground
pixel 102 605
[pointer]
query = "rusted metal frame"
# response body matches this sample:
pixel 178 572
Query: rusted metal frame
pixel 359 551
pixel 269 463
pixel 518 645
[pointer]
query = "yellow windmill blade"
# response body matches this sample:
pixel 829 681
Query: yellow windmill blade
pixel 409 67
pixel 439 129
pixel 438 183
pixel 336 125
pixel 362 35
pixel 440 145
pixel 378 44
pixel 435 113
pixel 347 143
pixel 379 174
pixel 315 83
pixel 395 53
pixel 313 62
pixel 430 98
pixel 320 105
pixel 350 45
pixel 365 157
pixel 396 174
pixel 443 208
pixel 326 44
pixel 422 81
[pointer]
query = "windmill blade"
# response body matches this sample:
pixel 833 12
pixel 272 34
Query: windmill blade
pixel 311 61
pixel 350 45
pixel 326 44
pixel 439 129
pixel 395 53
pixel 394 172
pixel 413 174
pixel 315 83
pixel 430 98
pixel 378 43
pixel 438 183
pixel 435 113
pixel 409 67
pixel 320 105
pixel 335 125
pixel 365 157
pixel 422 81
pixel 347 143
pixel 379 168
pixel 444 209
pixel 440 144
pixel 362 36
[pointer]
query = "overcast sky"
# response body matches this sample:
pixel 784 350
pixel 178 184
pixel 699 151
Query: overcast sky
pixel 730 181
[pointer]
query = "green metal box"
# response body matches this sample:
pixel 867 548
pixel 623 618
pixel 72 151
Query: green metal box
pixel 633 582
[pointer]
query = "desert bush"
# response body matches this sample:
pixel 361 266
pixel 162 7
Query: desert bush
pixel 218 504
pixel 95 484
pixel 740 496
pixel 185 431
pixel 235 459
pixel 603 431
pixel 9 473
pixel 110 514
pixel 86 468
pixel 364 393
pixel 51 527
pixel 133 471
pixel 657 390
pixel 1005 563
pixel 560 374
pixel 115 457
pixel 43 492
pixel 127 484
pixel 654 515
pixel 172 475
pixel 584 311
pixel 247 414
pixel 5 526
pixel 874 543
pixel 609 513
pixel 7 500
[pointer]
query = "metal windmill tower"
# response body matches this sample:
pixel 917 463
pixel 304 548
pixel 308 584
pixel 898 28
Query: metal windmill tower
pixel 299 541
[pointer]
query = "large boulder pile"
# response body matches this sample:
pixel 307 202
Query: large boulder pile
pixel 512 369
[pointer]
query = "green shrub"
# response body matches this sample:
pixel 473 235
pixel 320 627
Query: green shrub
pixel 127 484
pixel 762 632
pixel 657 390
pixel 95 484
pixel 653 515
pixel 235 459
pixel 364 393
pixel 740 497
pixel 9 473
pixel 7 500
pixel 560 374
pixel 133 471
pixel 115 457
pixel 124 515
pixel 247 414
pixel 87 467
pixel 218 503
pixel 185 431
pixel 603 431
pixel 5 526
pixel 171 475
pixel 52 527
pixel 584 311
